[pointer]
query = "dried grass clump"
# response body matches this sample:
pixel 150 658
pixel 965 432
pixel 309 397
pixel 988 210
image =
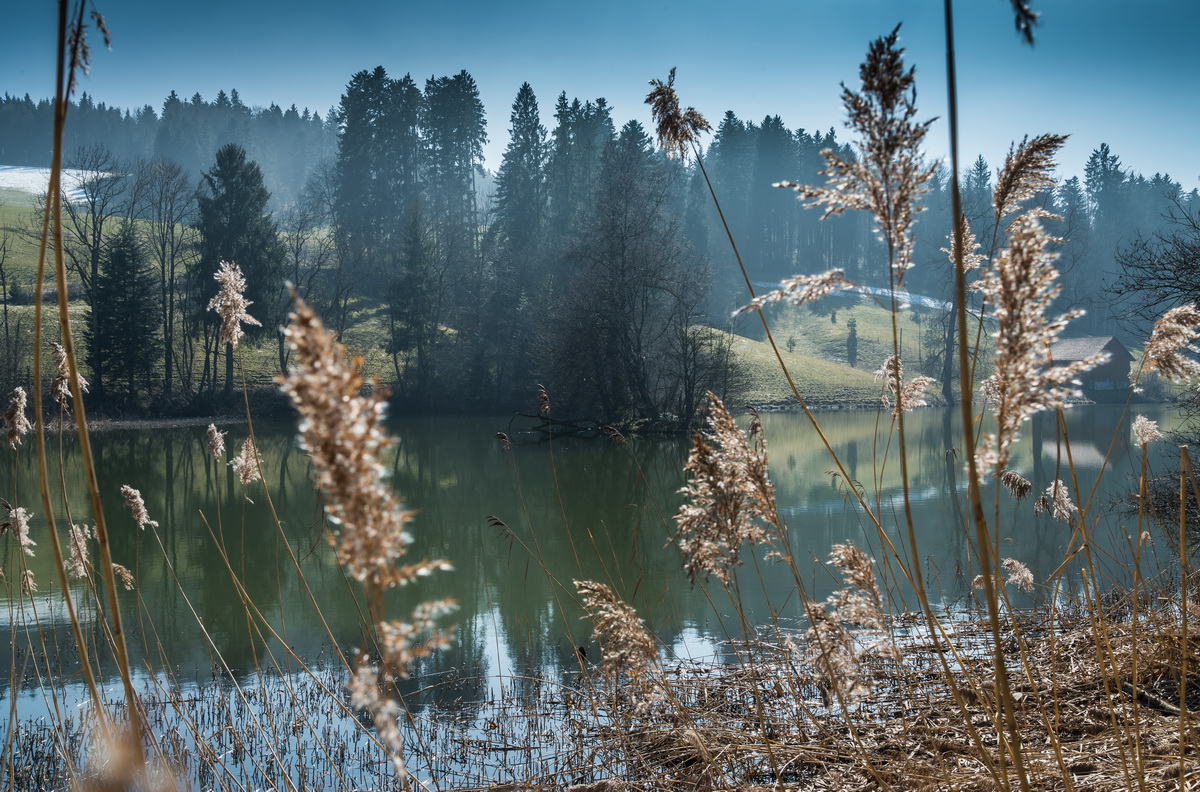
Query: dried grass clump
pixel 889 174
pixel 729 496
pixel 678 129
pixel 230 303
pixel 15 420
pixel 1174 336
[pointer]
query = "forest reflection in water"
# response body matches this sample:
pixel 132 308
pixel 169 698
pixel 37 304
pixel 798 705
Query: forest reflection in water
pixel 520 525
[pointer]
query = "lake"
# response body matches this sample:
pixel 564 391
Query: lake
pixel 519 526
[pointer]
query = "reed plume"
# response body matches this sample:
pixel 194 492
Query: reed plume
pixel 1022 287
pixel 678 129
pixel 247 464
pixel 729 496
pixel 1026 172
pixel 1145 431
pixel 18 523
pixel 76 563
pixel 625 643
pixel 60 386
pixel 15 420
pixel 1173 337
pixel 1056 500
pixel 849 625
pixel 230 303
pixel 801 289
pixel 904 396
pixel 1017 485
pixel 341 429
pixel 133 499
pixel 1017 574
pixel 216 442
pixel 889 173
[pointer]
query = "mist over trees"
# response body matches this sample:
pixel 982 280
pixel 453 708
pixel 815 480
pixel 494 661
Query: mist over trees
pixel 589 261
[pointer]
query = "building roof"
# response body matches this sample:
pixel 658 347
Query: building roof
pixel 1066 350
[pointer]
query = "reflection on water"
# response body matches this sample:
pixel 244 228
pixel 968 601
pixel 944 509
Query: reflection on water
pixel 571 509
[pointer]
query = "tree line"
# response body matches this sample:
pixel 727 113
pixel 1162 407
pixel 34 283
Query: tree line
pixel 585 262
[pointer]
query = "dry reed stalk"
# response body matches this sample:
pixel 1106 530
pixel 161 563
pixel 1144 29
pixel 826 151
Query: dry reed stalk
pixel 889 174
pixel 341 429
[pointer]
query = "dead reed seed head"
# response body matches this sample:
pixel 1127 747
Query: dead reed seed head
pixel 729 497
pixel 18 523
pixel 800 289
pixel 406 642
pixel 216 442
pixel 904 396
pixel 60 387
pixel 247 464
pixel 1017 574
pixel 1017 485
pixel 76 564
pixel 1171 349
pixel 1026 172
pixel 1057 501
pixel 543 400
pixel 15 420
pixel 341 428
pixel 230 303
pixel 505 443
pixel 889 174
pixel 972 258
pixel 1021 288
pixel 133 499
pixel 125 576
pixel 28 583
pixel 625 643
pixel 678 129
pixel 1145 431
pixel 366 696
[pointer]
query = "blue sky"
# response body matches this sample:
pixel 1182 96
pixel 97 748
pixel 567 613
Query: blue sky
pixel 1102 70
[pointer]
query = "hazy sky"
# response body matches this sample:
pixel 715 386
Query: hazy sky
pixel 1102 70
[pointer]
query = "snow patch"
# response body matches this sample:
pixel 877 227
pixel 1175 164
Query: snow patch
pixel 35 180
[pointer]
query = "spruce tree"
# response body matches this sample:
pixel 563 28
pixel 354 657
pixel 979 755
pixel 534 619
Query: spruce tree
pixel 235 226
pixel 123 337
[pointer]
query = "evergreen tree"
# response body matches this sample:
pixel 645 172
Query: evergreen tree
pixel 234 226
pixel 515 248
pixel 123 337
